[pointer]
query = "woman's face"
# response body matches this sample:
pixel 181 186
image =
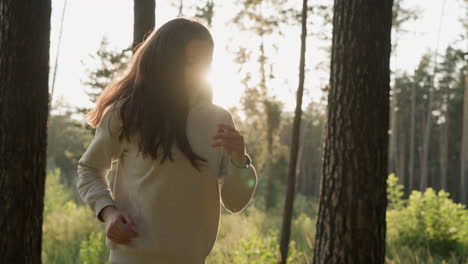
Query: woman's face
pixel 198 57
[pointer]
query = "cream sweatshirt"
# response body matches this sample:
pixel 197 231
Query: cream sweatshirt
pixel 175 208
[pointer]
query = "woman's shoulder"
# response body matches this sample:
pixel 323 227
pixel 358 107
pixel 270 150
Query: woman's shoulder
pixel 221 111
pixel 111 119
pixel 223 114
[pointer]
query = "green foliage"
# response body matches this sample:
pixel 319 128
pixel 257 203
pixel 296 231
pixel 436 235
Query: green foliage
pixel 402 14
pixel 67 139
pixel 252 237
pixel 65 225
pixel 429 221
pixel 260 248
pixel 395 192
pixel 91 250
pixel 110 64
pixel 56 196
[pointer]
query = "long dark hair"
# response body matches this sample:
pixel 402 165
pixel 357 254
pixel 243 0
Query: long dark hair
pixel 155 103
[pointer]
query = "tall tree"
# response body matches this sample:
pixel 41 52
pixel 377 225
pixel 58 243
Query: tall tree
pixel 456 81
pixel 403 88
pixel 412 145
pixel 264 109
pixel 422 86
pixel 111 63
pixel 412 91
pixel 144 16
pixel 426 136
pixel 428 124
pixel 464 145
pixel 445 83
pixel 351 220
pixel 310 156
pixel 66 142
pixel 24 77
pixel 400 16
pixel 58 52
pixel 291 186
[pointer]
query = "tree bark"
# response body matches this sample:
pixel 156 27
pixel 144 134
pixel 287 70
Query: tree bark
pixel 412 151
pixel 401 171
pixel 393 152
pixel 444 148
pixel 423 184
pixel 270 190
pixel 351 225
pixel 302 176
pixel 144 16
pixel 24 77
pixel 289 202
pixel 464 150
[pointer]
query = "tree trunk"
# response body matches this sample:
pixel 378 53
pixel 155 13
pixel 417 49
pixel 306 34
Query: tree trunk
pixel 392 152
pixel 402 159
pixel 392 159
pixel 302 176
pixel 58 52
pixel 24 77
pixel 464 150
pixel 412 151
pixel 351 225
pixel 444 146
pixel 289 202
pixel 423 184
pixel 143 20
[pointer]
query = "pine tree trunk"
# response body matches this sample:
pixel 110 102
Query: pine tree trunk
pixel 423 184
pixel 402 160
pixel 301 176
pixel 289 202
pixel 24 76
pixel 444 147
pixel 271 192
pixel 412 151
pixel 464 150
pixel 144 16
pixel 392 155
pixel 351 225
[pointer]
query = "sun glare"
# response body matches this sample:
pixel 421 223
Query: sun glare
pixel 225 81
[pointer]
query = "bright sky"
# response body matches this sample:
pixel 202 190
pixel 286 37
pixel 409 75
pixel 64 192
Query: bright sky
pixel 87 21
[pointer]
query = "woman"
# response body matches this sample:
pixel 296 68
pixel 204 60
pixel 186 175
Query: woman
pixel 178 154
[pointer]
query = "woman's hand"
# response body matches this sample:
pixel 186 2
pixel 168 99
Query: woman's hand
pixel 119 227
pixel 232 141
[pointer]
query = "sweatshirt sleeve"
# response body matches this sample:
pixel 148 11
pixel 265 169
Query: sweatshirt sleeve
pixel 93 166
pixel 238 184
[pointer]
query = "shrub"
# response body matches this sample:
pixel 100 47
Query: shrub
pixel 252 236
pixel 65 225
pixel 427 220
pixel 92 250
pixel 256 248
